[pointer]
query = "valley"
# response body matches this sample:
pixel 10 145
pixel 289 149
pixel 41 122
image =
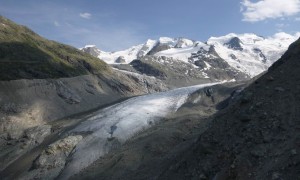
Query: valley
pixel 169 108
pixel 109 128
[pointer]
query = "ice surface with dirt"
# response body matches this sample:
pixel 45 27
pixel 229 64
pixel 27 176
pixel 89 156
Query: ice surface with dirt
pixel 121 121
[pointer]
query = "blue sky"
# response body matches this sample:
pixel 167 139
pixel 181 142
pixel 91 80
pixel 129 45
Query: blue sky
pixel 118 24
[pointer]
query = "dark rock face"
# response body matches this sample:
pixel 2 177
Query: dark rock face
pixel 235 43
pixel 211 57
pixel 208 91
pixel 200 63
pixel 120 59
pixel 219 68
pixel 233 56
pixel 219 63
pixel 213 51
pixel 147 69
pixel 159 47
pixel 259 52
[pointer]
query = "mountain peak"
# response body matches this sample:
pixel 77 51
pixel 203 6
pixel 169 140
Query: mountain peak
pixel 235 43
pixel 248 53
pixel 150 41
pixel 165 40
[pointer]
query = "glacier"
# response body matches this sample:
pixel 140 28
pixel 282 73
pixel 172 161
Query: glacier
pixel 120 122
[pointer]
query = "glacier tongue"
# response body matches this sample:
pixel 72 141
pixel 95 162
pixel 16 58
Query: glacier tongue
pixel 112 126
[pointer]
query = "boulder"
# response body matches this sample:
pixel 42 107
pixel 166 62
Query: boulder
pixel 38 133
pixel 53 159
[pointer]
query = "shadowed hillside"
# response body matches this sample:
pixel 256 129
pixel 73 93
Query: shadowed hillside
pixel 256 138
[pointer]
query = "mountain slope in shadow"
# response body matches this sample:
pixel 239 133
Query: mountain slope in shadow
pixel 256 138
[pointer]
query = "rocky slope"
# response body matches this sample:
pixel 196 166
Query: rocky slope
pixel 26 104
pixel 42 81
pixel 178 73
pixel 47 80
pixel 256 137
pixel 107 129
pixel 241 55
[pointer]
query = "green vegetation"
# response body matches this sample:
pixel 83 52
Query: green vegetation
pixel 26 55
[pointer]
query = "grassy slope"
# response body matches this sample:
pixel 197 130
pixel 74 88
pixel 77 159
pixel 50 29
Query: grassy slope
pixel 24 54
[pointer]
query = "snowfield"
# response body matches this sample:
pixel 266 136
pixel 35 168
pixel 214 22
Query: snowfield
pixel 114 125
pixel 253 54
pixel 257 53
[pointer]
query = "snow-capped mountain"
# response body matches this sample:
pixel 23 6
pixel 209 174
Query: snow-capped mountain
pixel 149 48
pixel 246 53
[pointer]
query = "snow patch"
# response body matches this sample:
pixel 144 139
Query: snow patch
pixel 133 73
pixel 182 54
pixel 208 66
pixel 166 40
pixel 89 46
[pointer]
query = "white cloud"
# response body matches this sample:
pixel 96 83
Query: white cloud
pixel 85 15
pixel 56 23
pixel 269 9
pixel 297 19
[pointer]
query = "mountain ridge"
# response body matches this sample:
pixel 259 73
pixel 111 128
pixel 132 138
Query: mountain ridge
pixel 255 138
pixel 26 55
pixel 247 53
